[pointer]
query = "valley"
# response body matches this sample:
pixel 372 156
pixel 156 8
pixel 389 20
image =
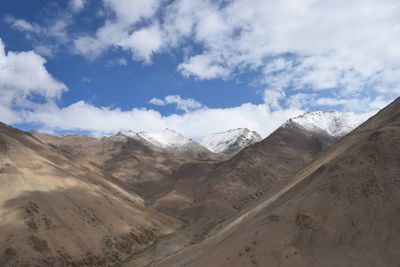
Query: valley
pixel 139 198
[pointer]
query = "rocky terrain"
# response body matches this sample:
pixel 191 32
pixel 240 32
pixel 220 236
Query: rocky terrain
pixel 339 210
pixel 206 194
pixel 57 212
pixel 136 199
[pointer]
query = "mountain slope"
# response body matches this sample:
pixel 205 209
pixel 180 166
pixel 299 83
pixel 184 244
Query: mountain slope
pixel 54 211
pixel 207 194
pixel 136 165
pixel 340 210
pixel 230 142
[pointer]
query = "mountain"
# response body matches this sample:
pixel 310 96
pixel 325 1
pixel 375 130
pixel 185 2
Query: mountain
pixel 230 142
pixel 136 198
pixel 341 209
pixel 206 194
pixel 135 164
pixel 169 141
pixel 334 123
pixel 59 210
pixel 256 171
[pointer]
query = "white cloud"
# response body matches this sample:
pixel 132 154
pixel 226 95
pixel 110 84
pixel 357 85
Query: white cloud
pixel 118 31
pixel 272 98
pixel 47 36
pixel 129 12
pixel 203 67
pixel 143 43
pixel 22 75
pixel 77 5
pixel 22 25
pixel 338 47
pixel 157 102
pixel 358 104
pixel 85 117
pixel 334 46
pixel 307 53
pixel 89 47
pixel 54 29
pixel 309 45
pixel 354 104
pixel 186 105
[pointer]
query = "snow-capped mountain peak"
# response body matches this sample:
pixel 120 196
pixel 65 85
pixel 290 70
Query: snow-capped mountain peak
pixel 166 139
pixel 231 141
pixel 334 123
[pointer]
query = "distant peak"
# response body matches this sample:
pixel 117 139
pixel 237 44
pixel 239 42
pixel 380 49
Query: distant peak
pixel 334 123
pixel 230 141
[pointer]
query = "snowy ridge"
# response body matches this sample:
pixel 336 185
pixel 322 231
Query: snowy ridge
pixel 168 140
pixel 231 141
pixel 334 123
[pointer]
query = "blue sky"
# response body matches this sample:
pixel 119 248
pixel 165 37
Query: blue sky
pixel 195 66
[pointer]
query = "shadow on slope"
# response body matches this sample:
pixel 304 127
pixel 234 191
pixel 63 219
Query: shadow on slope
pixel 75 227
pixel 341 210
pixel 207 194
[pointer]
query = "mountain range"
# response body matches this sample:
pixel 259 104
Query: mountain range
pixel 226 199
pixel 341 209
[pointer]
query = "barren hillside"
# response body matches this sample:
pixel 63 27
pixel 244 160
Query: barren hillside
pixel 340 210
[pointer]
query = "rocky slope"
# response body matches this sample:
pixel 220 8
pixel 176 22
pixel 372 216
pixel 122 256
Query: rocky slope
pixel 136 164
pixel 114 196
pixel 207 194
pixel 339 210
pixel 54 211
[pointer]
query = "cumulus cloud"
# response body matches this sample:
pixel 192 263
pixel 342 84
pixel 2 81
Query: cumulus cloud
pixel 203 67
pixel 344 49
pixel 185 105
pixel 23 75
pixel 119 31
pixel 143 43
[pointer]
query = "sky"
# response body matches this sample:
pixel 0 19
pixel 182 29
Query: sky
pixel 195 66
